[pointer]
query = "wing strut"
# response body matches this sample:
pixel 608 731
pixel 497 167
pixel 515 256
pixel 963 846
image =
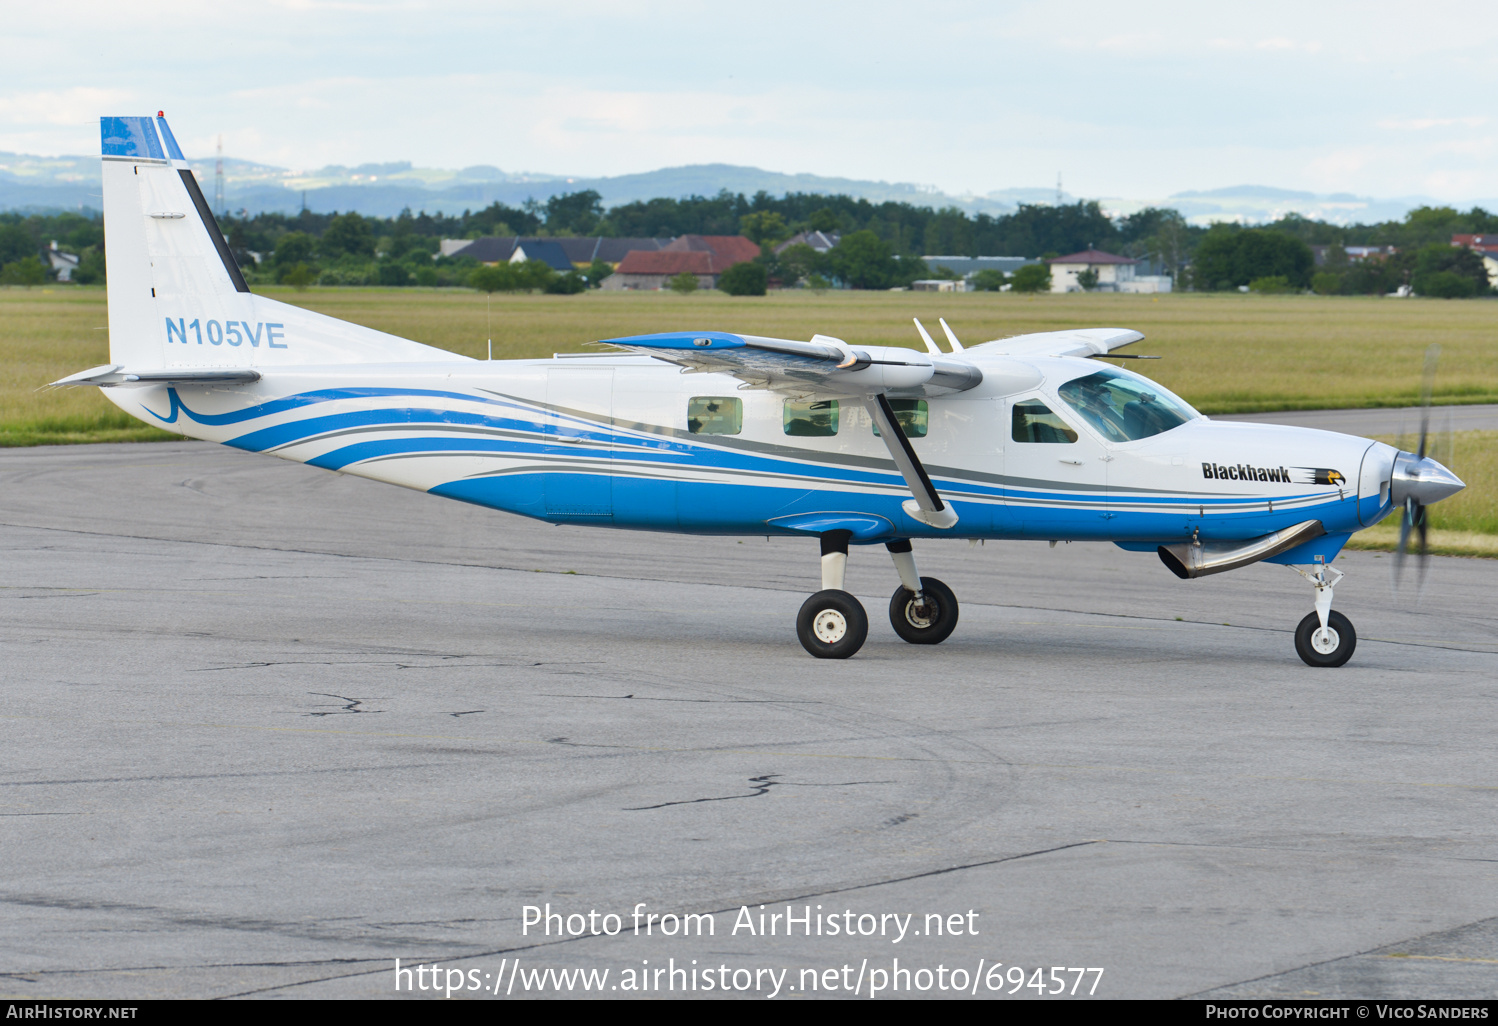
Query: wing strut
pixel 927 506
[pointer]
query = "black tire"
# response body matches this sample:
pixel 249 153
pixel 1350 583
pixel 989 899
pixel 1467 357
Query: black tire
pixel 832 625
pixel 931 625
pixel 1346 640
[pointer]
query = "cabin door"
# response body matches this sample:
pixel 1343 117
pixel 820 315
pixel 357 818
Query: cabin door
pixel 580 436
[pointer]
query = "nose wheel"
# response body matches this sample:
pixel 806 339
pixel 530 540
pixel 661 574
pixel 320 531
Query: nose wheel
pixel 1325 637
pixel 1331 645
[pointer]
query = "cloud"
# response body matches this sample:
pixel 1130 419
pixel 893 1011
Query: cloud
pixel 78 105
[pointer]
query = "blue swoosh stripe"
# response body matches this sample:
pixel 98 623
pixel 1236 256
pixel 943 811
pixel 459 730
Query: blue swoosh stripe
pixel 293 402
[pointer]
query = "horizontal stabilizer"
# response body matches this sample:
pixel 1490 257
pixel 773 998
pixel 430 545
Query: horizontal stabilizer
pixel 114 374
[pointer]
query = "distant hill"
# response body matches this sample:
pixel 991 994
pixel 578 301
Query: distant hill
pixel 383 190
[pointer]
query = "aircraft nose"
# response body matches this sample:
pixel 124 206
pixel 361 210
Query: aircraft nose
pixel 1424 480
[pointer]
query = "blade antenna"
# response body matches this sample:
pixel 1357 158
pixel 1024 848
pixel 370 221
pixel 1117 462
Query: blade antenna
pixel 952 338
pixel 926 338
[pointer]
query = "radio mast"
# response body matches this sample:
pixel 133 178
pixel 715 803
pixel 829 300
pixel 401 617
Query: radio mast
pixel 218 180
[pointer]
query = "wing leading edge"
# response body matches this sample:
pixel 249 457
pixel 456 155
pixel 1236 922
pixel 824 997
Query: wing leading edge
pixel 825 367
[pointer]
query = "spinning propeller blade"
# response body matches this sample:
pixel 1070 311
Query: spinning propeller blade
pixel 1414 518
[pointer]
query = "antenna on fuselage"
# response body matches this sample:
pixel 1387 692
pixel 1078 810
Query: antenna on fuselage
pixel 926 337
pixel 951 337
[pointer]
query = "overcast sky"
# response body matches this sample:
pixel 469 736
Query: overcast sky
pixel 1139 99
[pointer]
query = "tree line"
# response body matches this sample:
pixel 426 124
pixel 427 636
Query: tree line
pixel 881 242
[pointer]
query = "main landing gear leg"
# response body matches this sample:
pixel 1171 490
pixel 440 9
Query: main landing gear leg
pixel 1325 637
pixel 922 610
pixel 832 624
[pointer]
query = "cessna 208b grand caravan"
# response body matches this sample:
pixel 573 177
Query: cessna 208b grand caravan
pixel 713 432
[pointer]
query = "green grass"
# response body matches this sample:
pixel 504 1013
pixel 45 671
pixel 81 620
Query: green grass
pixel 1223 353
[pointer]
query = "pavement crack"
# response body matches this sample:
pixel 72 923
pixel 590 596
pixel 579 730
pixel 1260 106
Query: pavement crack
pixel 697 701
pixel 759 786
pixel 351 707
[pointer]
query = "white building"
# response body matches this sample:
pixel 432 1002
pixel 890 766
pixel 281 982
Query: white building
pixel 63 263
pixel 1113 272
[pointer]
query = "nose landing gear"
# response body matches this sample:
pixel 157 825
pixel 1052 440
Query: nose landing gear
pixel 833 624
pixel 1325 637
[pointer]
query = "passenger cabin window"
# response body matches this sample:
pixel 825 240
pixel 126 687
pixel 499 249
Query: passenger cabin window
pixel 715 415
pixel 1034 422
pixel 911 415
pixel 1124 408
pixel 811 419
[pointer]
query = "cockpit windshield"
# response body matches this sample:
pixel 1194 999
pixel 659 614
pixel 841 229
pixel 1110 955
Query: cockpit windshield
pixel 1125 408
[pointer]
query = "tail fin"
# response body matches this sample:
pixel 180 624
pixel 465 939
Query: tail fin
pixel 177 299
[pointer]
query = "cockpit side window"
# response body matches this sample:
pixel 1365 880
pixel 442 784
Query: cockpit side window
pixel 1034 422
pixel 1124 408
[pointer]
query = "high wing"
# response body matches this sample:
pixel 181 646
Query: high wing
pixel 1078 342
pixel 828 367
pixel 825 367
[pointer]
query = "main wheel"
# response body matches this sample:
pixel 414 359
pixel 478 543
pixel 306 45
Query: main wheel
pixel 927 624
pixel 1330 647
pixel 832 625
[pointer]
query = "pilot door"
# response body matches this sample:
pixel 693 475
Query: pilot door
pixel 580 434
pixel 1055 472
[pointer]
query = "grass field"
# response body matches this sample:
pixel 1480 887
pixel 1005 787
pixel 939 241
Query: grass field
pixel 1225 353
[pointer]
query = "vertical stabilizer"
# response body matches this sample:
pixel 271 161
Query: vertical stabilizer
pixel 163 247
pixel 177 299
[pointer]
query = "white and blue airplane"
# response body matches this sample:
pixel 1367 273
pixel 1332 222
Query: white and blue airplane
pixel 713 432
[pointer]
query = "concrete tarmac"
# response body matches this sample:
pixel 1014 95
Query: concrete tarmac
pixel 1396 421
pixel 268 729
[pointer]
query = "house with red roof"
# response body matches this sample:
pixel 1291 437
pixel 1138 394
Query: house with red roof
pixel 706 256
pixel 1485 246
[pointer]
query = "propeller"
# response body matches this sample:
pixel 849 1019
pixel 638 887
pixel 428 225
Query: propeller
pixel 1414 519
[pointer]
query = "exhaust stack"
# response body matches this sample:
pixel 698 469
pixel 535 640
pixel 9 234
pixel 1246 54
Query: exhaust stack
pixel 1198 559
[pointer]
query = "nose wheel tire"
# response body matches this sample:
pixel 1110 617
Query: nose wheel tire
pixel 1331 646
pixel 927 623
pixel 832 625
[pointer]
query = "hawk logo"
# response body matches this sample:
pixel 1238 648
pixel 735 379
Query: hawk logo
pixel 1321 475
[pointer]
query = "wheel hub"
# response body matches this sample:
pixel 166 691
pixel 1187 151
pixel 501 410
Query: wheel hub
pixel 921 615
pixel 830 626
pixel 1325 640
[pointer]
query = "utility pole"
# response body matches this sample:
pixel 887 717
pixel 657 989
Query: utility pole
pixel 218 180
pixel 1058 188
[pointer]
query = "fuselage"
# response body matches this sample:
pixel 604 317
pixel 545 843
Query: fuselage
pixel 628 441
